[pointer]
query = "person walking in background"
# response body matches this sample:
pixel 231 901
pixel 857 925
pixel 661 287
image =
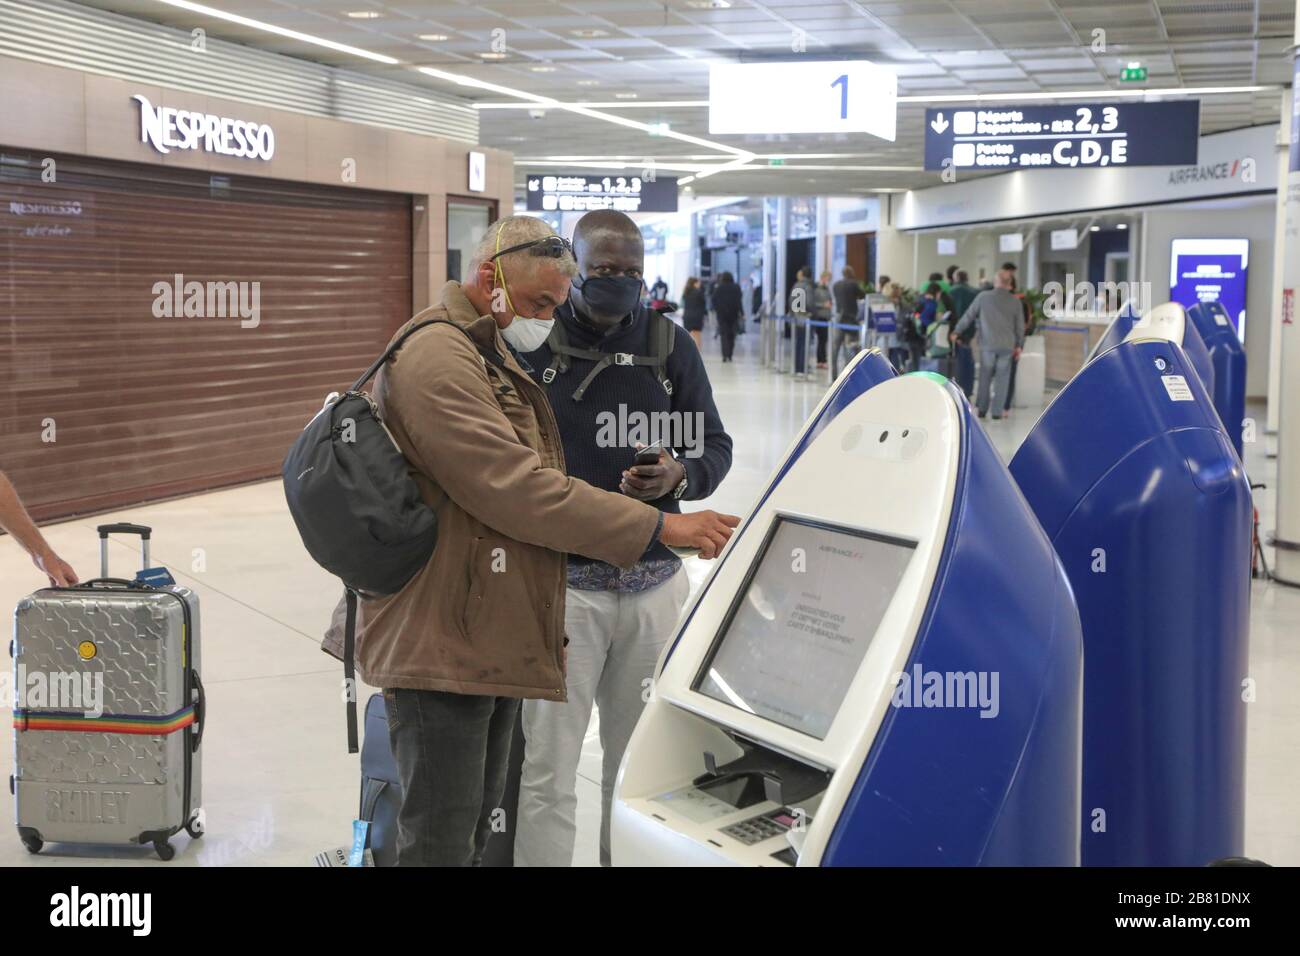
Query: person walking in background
pixel 848 293
pixel 823 311
pixel 801 306
pixel 694 307
pixel 925 316
pixel 15 520
pixel 884 325
pixel 658 293
pixel 999 319
pixel 882 287
pixel 1024 304
pixel 963 357
pixel 730 310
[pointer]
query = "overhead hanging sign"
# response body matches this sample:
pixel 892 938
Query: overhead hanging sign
pixel 1068 135
pixel 567 192
pixel 817 96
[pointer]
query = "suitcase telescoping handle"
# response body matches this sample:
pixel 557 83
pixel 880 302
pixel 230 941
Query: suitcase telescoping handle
pixel 122 527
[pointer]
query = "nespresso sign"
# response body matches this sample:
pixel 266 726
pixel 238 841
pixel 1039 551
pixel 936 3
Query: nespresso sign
pixel 167 128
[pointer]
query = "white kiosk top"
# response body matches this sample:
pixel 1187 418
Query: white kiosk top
pixel 1168 322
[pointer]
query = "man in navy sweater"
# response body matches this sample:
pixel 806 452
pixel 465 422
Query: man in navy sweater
pixel 619 376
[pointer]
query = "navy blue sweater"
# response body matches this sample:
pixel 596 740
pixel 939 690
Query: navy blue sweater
pixel 599 433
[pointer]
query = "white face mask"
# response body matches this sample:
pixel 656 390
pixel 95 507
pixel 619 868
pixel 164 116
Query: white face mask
pixel 527 335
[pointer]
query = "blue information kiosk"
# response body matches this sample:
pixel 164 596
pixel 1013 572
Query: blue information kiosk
pixel 1229 360
pixel 1133 479
pixel 884 666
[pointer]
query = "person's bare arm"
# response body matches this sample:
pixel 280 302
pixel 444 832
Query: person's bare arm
pixel 15 519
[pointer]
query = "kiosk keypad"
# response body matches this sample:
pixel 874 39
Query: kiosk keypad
pixel 759 828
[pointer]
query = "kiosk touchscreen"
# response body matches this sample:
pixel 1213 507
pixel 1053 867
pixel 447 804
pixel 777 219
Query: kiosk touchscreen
pixel 1229 359
pixel 1133 479
pixel 884 667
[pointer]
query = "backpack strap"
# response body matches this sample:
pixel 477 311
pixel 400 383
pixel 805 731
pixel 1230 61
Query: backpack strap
pixel 665 338
pixel 558 343
pixel 663 333
pixel 490 356
pixel 350 667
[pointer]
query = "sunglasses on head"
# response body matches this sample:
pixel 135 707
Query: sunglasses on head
pixel 553 247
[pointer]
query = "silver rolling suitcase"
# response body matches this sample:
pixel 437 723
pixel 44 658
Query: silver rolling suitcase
pixel 109 711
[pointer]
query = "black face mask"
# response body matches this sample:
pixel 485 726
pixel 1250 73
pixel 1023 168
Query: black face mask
pixel 609 296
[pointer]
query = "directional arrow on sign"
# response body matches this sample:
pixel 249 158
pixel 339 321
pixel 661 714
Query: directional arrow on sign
pixel 534 185
pixel 939 124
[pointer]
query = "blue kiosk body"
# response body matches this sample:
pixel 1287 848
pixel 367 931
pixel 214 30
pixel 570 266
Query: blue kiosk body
pixel 1229 360
pixel 913 695
pixel 1135 482
pixel 1173 324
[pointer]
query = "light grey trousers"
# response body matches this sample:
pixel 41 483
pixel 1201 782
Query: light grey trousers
pixel 614 643
pixel 995 370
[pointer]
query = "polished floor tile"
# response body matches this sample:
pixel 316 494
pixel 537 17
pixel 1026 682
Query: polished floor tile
pixel 279 785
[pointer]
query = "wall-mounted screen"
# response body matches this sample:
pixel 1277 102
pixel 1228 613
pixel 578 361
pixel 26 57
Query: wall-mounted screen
pixel 1065 238
pixel 1011 242
pixel 1202 270
pixel 796 635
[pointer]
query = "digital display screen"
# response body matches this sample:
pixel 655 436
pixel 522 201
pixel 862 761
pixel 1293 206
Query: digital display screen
pixel 793 641
pixel 575 192
pixel 1209 270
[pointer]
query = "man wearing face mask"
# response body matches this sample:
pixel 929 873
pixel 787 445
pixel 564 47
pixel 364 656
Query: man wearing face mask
pixel 482 625
pixel 618 375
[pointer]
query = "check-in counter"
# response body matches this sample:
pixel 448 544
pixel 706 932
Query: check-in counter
pixel 1067 343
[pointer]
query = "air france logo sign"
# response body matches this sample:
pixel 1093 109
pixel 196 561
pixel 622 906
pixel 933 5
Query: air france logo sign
pixel 167 128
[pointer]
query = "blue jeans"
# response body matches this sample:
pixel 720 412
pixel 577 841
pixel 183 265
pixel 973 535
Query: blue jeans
pixel 963 358
pixel 995 372
pixel 452 752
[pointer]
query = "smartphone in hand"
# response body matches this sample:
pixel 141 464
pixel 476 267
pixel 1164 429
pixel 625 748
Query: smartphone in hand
pixel 648 455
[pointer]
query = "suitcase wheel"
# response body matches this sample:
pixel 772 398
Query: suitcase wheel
pixel 164 849
pixel 194 825
pixel 32 842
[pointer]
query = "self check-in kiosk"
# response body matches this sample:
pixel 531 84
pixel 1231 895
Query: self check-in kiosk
pixel 1229 360
pixel 1168 321
pixel 1132 477
pixel 884 666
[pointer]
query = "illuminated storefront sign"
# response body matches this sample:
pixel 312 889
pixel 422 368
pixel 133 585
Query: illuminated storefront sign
pixel 167 128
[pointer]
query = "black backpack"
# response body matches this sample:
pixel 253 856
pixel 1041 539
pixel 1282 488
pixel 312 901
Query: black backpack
pixel 356 506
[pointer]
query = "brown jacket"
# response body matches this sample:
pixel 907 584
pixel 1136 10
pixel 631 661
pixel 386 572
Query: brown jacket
pixel 486 615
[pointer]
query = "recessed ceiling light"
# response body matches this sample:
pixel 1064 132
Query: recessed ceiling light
pixel 589 33
pixel 624 96
pixel 589 82
pixel 1122 225
pixel 364 14
pixel 1094 228
pixel 542 69
pixel 490 55
pixel 709 4
pixel 434 37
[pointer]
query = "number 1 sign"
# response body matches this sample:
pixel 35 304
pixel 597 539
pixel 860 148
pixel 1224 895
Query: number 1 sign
pixel 829 96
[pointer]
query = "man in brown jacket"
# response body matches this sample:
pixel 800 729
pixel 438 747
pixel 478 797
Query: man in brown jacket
pixel 482 625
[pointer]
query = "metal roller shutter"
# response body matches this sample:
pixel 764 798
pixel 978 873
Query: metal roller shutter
pixel 140 405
